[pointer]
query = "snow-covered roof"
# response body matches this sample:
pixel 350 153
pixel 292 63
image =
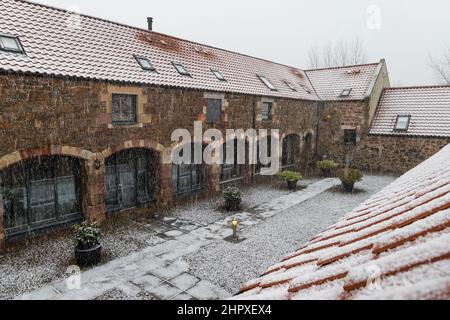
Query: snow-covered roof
pixel 330 83
pixel 427 107
pixel 394 246
pixel 58 42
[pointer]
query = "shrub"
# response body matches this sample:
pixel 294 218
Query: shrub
pixel 349 176
pixel 327 165
pixel 290 176
pixel 233 198
pixel 87 236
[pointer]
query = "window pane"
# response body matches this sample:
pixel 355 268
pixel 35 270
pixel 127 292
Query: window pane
pixel 42 200
pixel 213 110
pixel 67 196
pixel 10 43
pixel 402 123
pixel 266 111
pixel 15 205
pixel 124 108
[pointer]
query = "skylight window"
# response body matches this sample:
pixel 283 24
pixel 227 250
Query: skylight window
pixel 290 85
pixel 306 89
pixel 145 64
pixel 218 75
pixel 181 69
pixel 11 44
pixel 346 92
pixel 402 123
pixel 267 83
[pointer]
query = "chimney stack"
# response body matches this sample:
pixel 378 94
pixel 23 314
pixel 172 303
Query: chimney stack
pixel 150 23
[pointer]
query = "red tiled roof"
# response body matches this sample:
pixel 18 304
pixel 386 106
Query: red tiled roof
pixel 104 50
pixel 394 246
pixel 429 108
pixel 330 82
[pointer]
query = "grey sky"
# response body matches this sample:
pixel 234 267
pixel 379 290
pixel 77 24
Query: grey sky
pixel 283 31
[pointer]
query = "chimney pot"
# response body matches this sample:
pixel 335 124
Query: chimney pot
pixel 150 23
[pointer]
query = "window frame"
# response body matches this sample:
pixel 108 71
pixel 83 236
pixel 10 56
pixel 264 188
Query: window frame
pixel 408 122
pixel 270 113
pixel 183 72
pixel 267 82
pixel 139 59
pixel 125 122
pixel 344 92
pixel 290 85
pixel 20 49
pixel 218 75
pixel 208 120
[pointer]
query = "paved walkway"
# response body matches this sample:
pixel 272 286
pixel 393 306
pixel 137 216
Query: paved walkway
pixel 160 272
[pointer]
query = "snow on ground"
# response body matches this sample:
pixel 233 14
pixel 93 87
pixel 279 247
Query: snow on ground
pixel 231 265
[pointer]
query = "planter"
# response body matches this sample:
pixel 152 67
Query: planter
pixel 292 185
pixel 88 257
pixel 348 186
pixel 233 205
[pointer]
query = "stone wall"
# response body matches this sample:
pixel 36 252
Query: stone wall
pixel 45 116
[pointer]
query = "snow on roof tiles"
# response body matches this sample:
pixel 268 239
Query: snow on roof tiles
pixel 429 108
pixel 58 42
pixel 395 245
pixel 329 83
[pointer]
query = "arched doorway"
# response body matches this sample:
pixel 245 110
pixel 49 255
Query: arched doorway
pixel 290 150
pixel 41 193
pixel 130 177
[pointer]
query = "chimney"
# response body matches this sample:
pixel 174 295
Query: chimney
pixel 150 23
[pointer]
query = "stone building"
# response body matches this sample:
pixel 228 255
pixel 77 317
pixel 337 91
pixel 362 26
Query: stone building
pixel 88 108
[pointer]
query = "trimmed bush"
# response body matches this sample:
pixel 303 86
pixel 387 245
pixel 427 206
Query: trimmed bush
pixel 233 198
pixel 87 236
pixel 349 177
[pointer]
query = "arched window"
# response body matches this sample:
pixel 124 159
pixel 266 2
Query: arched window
pixel 130 179
pixel 41 193
pixel 291 150
pixel 187 177
pixel 233 170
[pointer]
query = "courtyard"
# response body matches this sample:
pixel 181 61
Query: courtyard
pixel 183 255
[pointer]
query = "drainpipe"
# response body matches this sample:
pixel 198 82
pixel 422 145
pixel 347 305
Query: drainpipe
pixel 319 105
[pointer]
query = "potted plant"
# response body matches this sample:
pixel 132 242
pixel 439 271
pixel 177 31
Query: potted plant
pixel 292 178
pixel 349 177
pixel 88 251
pixel 326 166
pixel 233 198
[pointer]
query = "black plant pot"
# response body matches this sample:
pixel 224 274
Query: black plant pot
pixel 348 186
pixel 326 173
pixel 233 205
pixel 292 185
pixel 88 257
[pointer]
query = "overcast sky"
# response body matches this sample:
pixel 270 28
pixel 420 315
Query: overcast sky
pixel 283 31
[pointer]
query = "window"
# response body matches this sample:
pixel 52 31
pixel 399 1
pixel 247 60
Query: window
pixel 130 179
pixel 145 64
pixel 213 110
pixel 306 89
pixel 218 75
pixel 230 170
pixel 268 152
pixel 267 83
pixel 187 178
pixel 291 150
pixel 181 69
pixel 350 137
pixel 124 109
pixel 11 44
pixel 402 123
pixel 346 92
pixel 41 193
pixel 266 111
pixel 290 85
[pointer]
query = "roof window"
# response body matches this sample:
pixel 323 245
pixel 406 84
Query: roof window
pixel 346 92
pixel 267 83
pixel 402 123
pixel 218 75
pixel 11 44
pixel 145 64
pixel 290 85
pixel 181 69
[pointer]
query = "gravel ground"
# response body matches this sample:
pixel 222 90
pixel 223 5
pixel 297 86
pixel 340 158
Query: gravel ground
pixel 42 260
pixel 231 265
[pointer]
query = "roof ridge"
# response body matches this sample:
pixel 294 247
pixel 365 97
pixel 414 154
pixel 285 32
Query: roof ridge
pixel 154 32
pixel 343 67
pixel 419 87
